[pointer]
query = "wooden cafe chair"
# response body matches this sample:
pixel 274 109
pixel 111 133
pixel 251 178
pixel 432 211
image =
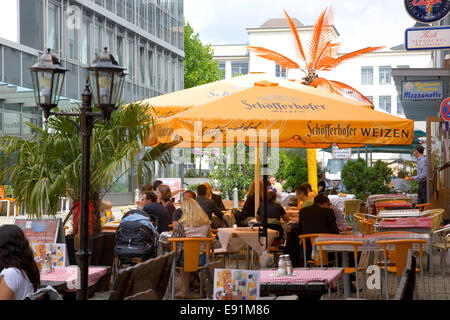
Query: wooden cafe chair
pixel 191 247
pixel 423 206
pixel 401 248
pixel 347 270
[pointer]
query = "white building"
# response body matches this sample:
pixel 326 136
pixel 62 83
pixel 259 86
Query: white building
pixel 370 74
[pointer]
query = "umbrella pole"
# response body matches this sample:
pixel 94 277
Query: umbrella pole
pixel 265 167
pixel 257 178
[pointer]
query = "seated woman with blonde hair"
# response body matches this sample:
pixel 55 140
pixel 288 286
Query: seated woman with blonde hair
pixel 194 223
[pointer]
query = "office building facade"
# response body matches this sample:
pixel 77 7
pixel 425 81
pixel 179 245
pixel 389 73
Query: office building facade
pixel 145 36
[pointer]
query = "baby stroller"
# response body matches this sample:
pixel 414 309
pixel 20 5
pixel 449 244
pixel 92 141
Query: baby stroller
pixel 135 242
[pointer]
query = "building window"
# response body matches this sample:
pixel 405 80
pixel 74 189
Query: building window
pixel 11 123
pixel 119 8
pixel 109 4
pixel 222 68
pixel 158 71
pixel 27 61
pixel 109 40
pixel 239 68
pixel 150 69
pixel 130 58
pixel 98 45
pixel 142 65
pixel 11 66
pixel 399 107
pixel 142 10
pixel 279 71
pixel 403 66
pixel 53 28
pixel 73 34
pixel 385 74
pixel 385 103
pixel 130 10
pixel 27 130
pixel 85 41
pixel 366 75
pixel 119 50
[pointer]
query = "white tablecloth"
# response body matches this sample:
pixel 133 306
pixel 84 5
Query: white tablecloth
pixel 338 201
pixel 232 239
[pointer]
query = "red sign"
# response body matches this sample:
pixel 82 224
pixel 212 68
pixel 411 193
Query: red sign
pixel 445 109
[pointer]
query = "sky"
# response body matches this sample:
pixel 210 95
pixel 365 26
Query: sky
pixel 360 23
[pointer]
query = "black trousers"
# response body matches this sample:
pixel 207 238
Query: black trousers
pixel 422 192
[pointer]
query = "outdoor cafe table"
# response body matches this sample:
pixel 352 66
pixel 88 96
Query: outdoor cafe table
pixel 70 276
pixel 399 213
pixel 338 201
pixel 371 199
pixel 369 244
pixel 110 226
pixel 412 224
pixel 233 239
pixel 393 205
pixel 303 281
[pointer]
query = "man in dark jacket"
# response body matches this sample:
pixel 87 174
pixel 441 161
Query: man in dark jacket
pixel 156 210
pixel 312 219
pixel 208 205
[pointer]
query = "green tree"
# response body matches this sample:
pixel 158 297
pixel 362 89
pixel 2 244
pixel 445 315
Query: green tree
pixel 363 181
pixel 199 66
pixel 49 164
pixel 295 172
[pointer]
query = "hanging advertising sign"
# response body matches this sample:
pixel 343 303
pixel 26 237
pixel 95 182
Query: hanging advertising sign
pixel 422 90
pixel 427 11
pixel 341 153
pixel 430 38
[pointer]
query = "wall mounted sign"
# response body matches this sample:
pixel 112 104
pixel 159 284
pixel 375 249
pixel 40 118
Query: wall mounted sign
pixel 427 38
pixel 421 90
pixel 427 11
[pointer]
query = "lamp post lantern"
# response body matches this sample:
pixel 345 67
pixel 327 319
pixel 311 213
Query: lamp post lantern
pixel 106 81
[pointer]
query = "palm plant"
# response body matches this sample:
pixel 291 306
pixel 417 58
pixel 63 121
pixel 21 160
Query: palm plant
pixel 48 166
pixel 321 55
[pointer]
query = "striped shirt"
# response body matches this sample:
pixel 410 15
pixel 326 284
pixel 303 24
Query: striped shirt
pixel 421 169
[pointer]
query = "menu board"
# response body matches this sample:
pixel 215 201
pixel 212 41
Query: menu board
pixel 39 230
pixel 48 233
pixel 56 253
pixel 236 284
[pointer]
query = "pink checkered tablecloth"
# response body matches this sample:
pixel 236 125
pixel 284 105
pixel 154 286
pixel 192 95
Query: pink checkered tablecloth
pixel 330 276
pixel 70 276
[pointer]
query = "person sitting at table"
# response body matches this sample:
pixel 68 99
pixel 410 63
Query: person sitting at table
pixel 19 274
pixel 155 209
pixel 188 194
pixel 275 186
pixel 275 212
pixel 194 223
pixel 217 199
pixel 164 195
pixel 324 202
pixel 304 197
pixel 312 219
pixel 210 207
pixel 247 213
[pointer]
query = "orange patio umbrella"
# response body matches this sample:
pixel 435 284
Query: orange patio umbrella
pixel 303 117
pixel 172 103
pixel 271 115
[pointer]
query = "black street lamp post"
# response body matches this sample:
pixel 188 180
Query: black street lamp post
pixel 106 81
